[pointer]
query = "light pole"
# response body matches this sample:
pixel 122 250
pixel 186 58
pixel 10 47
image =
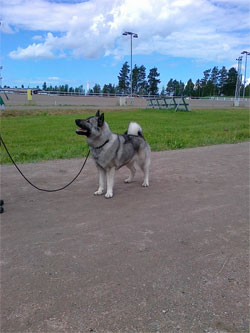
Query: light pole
pixel 244 87
pixel 132 35
pixel 1 67
pixel 238 83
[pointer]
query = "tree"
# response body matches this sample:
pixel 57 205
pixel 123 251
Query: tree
pixel 170 87
pixel 189 88
pixel 139 82
pixel 247 91
pixel 197 88
pixel 80 90
pixel 214 77
pixel 44 86
pixel 176 87
pixel 204 82
pixel 135 79
pixel 109 89
pixel 123 79
pixel 230 85
pixel 97 89
pixel 142 82
pixel 153 81
pixel 181 88
pixel 222 80
pixel 62 88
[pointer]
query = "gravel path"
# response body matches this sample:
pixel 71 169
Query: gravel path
pixel 169 258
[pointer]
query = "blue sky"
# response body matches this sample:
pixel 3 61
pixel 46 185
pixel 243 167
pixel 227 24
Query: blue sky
pixel 75 42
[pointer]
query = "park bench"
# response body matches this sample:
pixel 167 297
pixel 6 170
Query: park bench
pixel 176 103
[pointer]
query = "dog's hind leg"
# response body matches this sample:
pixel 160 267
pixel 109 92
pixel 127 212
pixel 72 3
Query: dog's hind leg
pixel 132 169
pixel 110 183
pixel 102 179
pixel 144 165
pixel 146 176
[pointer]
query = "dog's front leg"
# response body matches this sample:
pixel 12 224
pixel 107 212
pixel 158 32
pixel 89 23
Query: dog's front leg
pixel 102 179
pixel 110 183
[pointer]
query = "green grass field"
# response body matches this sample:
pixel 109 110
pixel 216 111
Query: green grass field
pixel 47 136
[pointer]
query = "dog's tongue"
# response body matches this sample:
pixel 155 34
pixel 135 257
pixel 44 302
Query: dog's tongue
pixel 81 130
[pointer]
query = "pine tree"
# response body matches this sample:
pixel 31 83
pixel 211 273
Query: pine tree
pixel 142 82
pixel 214 78
pixel 97 89
pixel 135 79
pixel 204 82
pixel 231 82
pixel 247 91
pixel 189 88
pixel 176 86
pixel 170 87
pixel 222 80
pixel 153 81
pixel 181 88
pixel 123 79
pixel 109 89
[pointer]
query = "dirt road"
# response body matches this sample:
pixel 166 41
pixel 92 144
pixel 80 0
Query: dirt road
pixel 169 258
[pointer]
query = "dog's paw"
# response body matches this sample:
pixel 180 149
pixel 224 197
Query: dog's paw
pixel 145 184
pixel 99 192
pixel 109 195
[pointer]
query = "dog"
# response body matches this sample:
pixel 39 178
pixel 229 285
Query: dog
pixel 112 151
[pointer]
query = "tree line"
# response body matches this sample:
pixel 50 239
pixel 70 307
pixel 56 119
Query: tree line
pixel 215 82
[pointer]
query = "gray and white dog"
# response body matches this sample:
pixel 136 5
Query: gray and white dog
pixel 111 151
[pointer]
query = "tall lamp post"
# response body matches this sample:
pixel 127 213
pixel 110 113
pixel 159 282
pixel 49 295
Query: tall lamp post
pixel 238 83
pixel 244 87
pixel 1 67
pixel 132 35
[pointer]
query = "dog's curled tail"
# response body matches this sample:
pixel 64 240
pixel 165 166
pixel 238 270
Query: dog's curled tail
pixel 134 129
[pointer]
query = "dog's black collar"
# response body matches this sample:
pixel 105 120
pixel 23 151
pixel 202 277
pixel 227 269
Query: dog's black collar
pixel 101 145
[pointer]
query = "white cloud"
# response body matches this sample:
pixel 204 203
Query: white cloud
pixel 32 51
pixel 37 37
pixel 199 29
pixel 54 78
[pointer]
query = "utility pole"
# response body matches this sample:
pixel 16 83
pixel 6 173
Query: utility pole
pixel 1 67
pixel 238 83
pixel 245 79
pixel 132 35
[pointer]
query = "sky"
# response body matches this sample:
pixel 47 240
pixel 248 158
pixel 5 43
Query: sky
pixel 81 42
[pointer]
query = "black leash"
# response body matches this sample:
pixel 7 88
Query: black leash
pixel 38 188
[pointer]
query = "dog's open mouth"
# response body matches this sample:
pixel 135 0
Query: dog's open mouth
pixel 81 131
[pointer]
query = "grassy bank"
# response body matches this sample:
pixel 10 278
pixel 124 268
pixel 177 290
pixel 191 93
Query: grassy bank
pixel 47 136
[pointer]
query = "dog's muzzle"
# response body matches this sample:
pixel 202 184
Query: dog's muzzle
pixel 83 129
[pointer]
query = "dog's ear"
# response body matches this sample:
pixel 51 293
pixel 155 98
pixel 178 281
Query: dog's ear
pixel 97 113
pixel 101 120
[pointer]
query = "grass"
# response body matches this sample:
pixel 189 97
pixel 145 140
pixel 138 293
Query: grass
pixel 47 136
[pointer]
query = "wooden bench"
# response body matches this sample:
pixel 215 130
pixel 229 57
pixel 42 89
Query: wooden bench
pixel 176 103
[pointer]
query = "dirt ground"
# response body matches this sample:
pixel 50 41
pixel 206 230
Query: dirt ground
pixel 169 258
pixel 19 102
